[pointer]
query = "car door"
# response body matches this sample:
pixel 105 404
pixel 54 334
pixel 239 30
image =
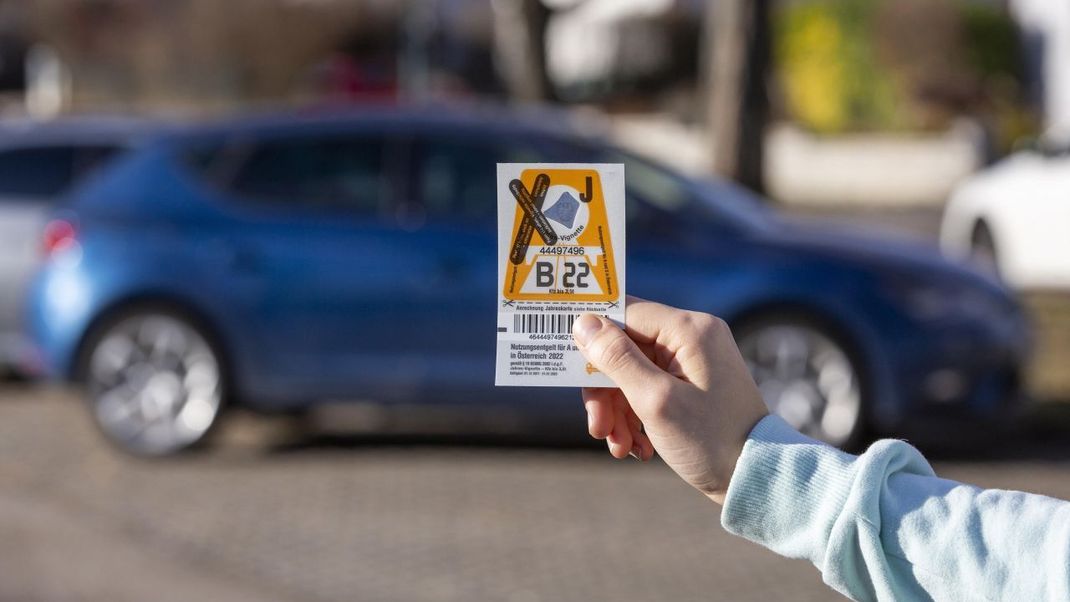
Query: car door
pixel 342 277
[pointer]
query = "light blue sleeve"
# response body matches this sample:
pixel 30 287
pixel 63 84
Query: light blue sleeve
pixel 883 526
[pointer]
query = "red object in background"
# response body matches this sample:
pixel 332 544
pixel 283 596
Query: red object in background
pixel 59 235
pixel 344 77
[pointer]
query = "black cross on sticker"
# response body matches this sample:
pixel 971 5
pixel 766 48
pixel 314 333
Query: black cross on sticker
pixel 534 220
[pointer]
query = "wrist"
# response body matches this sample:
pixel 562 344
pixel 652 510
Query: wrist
pixel 732 456
pixel 786 490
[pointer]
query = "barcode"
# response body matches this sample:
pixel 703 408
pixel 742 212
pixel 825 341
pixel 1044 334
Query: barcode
pixel 543 323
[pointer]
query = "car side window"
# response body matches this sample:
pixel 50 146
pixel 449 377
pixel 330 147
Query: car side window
pixel 345 172
pixel 456 178
pixel 652 198
pixel 89 158
pixel 36 173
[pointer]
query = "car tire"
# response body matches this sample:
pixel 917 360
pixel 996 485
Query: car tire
pixel 808 375
pixel 154 381
pixel 983 248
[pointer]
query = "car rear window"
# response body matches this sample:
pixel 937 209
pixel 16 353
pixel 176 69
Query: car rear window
pixel 45 172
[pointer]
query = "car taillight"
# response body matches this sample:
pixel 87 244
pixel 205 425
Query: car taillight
pixel 59 236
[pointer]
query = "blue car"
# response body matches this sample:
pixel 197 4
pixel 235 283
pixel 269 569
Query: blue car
pixel 287 260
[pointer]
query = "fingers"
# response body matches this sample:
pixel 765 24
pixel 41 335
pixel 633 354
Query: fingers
pixel 685 335
pixel 620 440
pixel 609 415
pixel 610 350
pixel 642 448
pixel 599 405
pixel 646 321
pixel 680 341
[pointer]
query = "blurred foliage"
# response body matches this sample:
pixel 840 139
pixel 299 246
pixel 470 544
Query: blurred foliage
pixel 992 45
pixel 824 55
pixel 859 65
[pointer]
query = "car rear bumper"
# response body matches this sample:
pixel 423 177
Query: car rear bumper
pixel 58 311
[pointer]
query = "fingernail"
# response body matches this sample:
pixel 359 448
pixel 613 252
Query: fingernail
pixel 585 327
pixel 637 453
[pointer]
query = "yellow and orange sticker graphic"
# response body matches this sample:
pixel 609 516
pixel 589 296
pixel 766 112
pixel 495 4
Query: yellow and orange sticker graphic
pixel 561 253
pixel 561 245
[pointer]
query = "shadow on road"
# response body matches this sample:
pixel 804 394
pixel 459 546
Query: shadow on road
pixel 313 441
pixel 1041 435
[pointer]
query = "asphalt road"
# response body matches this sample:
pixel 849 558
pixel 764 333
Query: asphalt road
pixel 270 514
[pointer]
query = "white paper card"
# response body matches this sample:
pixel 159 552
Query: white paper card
pixel 560 254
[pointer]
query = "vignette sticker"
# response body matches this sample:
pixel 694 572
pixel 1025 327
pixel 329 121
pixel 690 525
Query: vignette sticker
pixel 560 254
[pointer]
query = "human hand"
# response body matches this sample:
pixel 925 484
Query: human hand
pixel 685 391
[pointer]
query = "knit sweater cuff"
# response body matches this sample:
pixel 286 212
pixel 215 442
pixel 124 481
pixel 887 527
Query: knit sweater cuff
pixel 787 490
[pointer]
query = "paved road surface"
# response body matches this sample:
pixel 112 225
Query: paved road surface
pixel 263 517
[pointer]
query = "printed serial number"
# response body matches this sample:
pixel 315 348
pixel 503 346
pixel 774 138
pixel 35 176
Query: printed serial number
pixel 545 324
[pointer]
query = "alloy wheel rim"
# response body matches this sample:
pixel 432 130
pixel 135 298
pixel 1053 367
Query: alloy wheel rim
pixel 155 384
pixel 805 378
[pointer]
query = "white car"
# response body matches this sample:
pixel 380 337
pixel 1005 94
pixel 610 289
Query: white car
pixel 1014 218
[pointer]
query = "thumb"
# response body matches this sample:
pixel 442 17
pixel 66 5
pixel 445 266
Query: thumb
pixel 610 350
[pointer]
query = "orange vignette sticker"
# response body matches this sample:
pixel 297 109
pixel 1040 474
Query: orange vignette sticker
pixel 561 254
pixel 568 207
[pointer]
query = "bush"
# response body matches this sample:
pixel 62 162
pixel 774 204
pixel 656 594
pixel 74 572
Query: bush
pixel 827 67
pixel 857 65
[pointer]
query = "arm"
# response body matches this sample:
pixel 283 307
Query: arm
pixel 882 526
pixel 879 526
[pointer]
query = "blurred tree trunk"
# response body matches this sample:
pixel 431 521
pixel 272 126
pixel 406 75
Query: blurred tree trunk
pixel 520 38
pixel 737 41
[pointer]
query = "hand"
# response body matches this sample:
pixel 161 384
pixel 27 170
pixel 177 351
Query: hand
pixel 681 379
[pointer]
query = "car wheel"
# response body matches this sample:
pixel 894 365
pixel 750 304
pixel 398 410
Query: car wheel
pixel 154 383
pixel 806 376
pixel 983 248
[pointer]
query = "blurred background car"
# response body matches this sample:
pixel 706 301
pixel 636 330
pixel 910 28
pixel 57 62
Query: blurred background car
pixel 39 162
pixel 286 260
pixel 1012 217
pixel 328 251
